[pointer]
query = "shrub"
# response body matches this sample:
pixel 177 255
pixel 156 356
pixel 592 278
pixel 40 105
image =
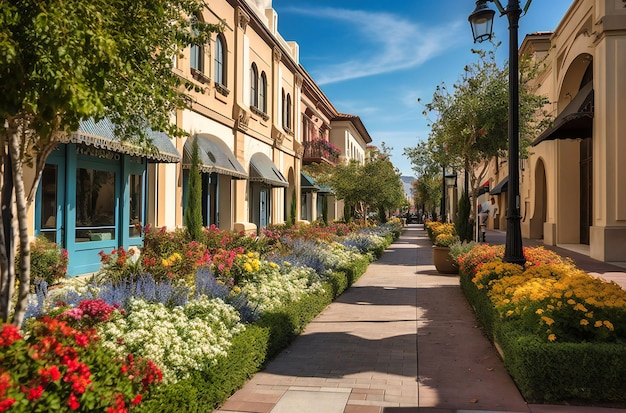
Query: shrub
pixel 48 262
pixel 60 368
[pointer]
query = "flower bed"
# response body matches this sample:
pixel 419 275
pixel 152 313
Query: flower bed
pixel 562 332
pixel 205 315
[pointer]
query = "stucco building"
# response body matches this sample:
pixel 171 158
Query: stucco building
pixel 572 186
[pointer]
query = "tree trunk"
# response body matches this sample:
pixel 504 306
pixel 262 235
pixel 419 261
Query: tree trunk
pixel 22 221
pixel 7 266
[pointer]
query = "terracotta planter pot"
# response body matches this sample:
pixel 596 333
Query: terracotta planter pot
pixel 443 262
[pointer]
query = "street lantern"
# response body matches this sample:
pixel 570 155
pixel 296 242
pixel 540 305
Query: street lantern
pixel 451 180
pixel 481 21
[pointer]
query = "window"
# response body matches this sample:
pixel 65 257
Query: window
pixel 254 86
pixel 95 205
pixel 196 58
pixel 288 111
pixel 220 67
pixel 136 205
pixel 263 93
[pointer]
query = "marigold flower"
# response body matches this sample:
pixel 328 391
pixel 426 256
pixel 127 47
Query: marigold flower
pixel 551 337
pixel 608 325
pixel 547 320
pixel 598 324
pixel 584 322
pixel 539 311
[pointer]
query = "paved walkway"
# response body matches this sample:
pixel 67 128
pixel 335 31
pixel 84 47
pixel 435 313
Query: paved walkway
pixel 401 340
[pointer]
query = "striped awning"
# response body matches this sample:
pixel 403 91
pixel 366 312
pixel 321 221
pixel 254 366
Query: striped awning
pixel 215 156
pixel 102 135
pixel 263 170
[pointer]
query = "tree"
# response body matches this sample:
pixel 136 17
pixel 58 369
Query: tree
pixel 427 186
pixel 71 60
pixel 193 212
pixel 375 184
pixel 470 125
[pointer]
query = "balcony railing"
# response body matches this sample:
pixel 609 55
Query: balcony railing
pixel 321 151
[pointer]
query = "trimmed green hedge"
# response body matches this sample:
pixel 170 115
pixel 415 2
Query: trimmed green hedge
pixel 552 372
pixel 261 341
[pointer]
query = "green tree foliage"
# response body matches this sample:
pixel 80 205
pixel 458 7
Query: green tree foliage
pixel 464 224
pixel 63 61
pixel 193 211
pixel 293 208
pixel 469 124
pixel 374 185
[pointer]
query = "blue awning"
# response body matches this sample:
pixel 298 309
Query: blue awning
pixel 102 135
pixel 307 183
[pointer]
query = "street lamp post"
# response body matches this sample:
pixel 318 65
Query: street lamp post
pixel 481 21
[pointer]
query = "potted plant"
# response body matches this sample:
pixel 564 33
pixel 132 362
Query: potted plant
pixel 441 253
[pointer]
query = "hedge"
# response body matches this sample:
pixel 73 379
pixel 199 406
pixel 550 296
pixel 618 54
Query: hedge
pixel 552 372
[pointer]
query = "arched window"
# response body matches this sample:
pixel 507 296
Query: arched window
pixel 254 86
pixel 288 111
pixel 196 55
pixel 283 104
pixel 263 93
pixel 220 62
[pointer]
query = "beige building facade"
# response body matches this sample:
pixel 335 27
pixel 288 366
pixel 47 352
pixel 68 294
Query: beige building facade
pixel 572 186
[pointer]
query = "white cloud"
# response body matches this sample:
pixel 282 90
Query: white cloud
pixel 396 43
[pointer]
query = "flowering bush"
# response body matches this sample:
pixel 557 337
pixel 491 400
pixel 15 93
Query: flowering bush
pixel 120 264
pixel 48 262
pixel 60 368
pixel 435 229
pixel 445 240
pixel 549 296
pixel 178 340
pixel 272 286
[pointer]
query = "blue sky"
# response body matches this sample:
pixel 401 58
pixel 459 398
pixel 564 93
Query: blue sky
pixel 375 59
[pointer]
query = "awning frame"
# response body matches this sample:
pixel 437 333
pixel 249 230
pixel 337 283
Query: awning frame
pixel 215 156
pixel 263 170
pixel 102 135
pixel 575 121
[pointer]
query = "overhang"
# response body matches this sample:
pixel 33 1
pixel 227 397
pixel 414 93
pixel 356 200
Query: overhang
pixel 102 135
pixel 263 170
pixel 503 186
pixel 307 183
pixel 575 121
pixel 214 155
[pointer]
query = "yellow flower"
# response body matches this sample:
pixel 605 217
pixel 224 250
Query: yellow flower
pixel 509 313
pixel 273 265
pixel 584 322
pixel 551 337
pixel 571 302
pixel 236 289
pixel 547 320
pixel 598 324
pixel 247 267
pixel 165 262
pixel 539 311
pixel 568 294
pixel 608 325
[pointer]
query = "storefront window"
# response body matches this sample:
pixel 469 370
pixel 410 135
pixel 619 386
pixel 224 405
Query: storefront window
pixel 136 205
pixel 95 205
pixel 49 202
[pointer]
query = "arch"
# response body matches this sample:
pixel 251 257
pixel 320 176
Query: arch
pixel 219 61
pixel 541 201
pixel 254 85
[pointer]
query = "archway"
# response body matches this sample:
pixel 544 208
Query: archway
pixel 541 202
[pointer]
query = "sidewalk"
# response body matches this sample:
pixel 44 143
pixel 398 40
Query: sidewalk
pixel 401 340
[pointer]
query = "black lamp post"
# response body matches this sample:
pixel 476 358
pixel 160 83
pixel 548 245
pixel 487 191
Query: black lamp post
pixel 481 21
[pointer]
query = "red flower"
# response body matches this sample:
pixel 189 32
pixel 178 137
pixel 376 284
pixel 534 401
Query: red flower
pixel 54 373
pixel 481 131
pixel 9 335
pixel 136 400
pixel 6 403
pixel 35 393
pixel 72 402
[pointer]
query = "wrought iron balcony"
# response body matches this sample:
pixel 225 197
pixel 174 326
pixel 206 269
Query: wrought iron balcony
pixel 320 151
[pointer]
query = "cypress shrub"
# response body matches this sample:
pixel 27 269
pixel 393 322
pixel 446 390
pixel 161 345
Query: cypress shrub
pixel 193 212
